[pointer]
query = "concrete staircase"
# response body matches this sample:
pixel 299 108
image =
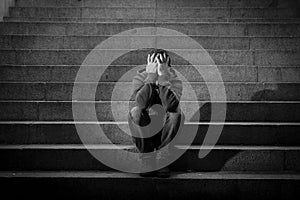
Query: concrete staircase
pixel 256 46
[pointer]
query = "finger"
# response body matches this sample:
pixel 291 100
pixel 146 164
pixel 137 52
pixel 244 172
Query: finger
pixel 165 56
pixel 157 60
pixel 152 57
pixel 148 58
pixel 168 59
pixel 161 58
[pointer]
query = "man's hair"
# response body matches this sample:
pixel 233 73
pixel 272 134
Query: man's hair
pixel 160 51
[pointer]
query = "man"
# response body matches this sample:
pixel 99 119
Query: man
pixel 157 84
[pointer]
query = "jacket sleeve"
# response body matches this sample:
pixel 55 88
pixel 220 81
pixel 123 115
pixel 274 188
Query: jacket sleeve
pixel 143 89
pixel 170 91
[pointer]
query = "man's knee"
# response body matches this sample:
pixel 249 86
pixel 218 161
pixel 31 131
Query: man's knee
pixel 139 116
pixel 175 117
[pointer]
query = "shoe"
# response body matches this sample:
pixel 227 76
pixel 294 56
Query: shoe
pixel 164 173
pixel 148 174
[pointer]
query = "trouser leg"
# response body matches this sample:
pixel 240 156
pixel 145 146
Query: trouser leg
pixel 137 119
pixel 172 126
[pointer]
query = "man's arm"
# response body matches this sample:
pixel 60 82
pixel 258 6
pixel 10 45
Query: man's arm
pixel 169 93
pixel 143 89
pixel 169 90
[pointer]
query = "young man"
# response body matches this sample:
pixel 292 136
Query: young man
pixel 157 84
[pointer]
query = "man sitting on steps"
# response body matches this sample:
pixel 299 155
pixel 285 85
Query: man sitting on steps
pixel 157 85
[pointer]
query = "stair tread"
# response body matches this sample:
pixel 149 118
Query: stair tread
pixel 72 65
pixel 128 82
pixel 57 19
pixel 120 146
pixel 204 50
pixel 137 7
pixel 105 35
pixel 124 122
pixel 235 175
pixel 105 23
pixel 124 101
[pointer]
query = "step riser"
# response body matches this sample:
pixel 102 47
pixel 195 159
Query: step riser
pixel 252 29
pixel 63 19
pixel 114 73
pixel 153 13
pixel 63 91
pixel 151 3
pixel 217 160
pixel 287 135
pixel 62 111
pixel 240 43
pixel 189 188
pixel 218 57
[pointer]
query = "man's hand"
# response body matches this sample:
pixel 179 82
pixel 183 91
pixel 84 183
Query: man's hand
pixel 152 64
pixel 163 68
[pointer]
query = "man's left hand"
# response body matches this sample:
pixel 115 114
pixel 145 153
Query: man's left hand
pixel 163 68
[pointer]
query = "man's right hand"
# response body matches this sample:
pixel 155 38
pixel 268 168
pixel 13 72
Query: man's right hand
pixel 152 64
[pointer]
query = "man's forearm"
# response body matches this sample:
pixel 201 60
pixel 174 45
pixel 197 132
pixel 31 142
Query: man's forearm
pixel 144 91
pixel 168 98
pixel 143 96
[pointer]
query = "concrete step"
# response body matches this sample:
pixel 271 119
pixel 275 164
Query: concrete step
pixel 229 73
pixel 151 3
pixel 190 28
pixel 138 57
pixel 221 158
pixel 144 12
pixel 254 111
pixel 90 42
pixel 32 132
pixel 101 185
pixel 81 19
pixel 63 91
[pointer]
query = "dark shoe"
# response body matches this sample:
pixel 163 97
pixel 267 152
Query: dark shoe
pixel 164 173
pixel 148 174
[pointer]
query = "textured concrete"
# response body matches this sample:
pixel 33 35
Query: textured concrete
pixel 287 74
pixel 76 157
pixel 279 134
pixel 120 3
pixel 234 91
pixel 90 42
pixel 234 29
pixel 72 19
pixel 76 57
pixel 219 57
pixel 142 12
pixel 209 185
pixel 236 111
pixel 151 3
pixel 229 73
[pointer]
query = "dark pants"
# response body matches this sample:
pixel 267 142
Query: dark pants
pixel 169 121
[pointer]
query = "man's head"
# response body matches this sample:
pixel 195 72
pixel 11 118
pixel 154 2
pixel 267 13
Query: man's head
pixel 160 51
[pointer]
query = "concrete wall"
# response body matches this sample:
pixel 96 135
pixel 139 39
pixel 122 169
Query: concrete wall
pixel 4 5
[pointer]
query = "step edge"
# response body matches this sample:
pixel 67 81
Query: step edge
pixel 120 146
pixel 186 101
pixel 232 175
pixel 125 123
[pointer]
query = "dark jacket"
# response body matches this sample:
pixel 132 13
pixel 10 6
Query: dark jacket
pixel 169 89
